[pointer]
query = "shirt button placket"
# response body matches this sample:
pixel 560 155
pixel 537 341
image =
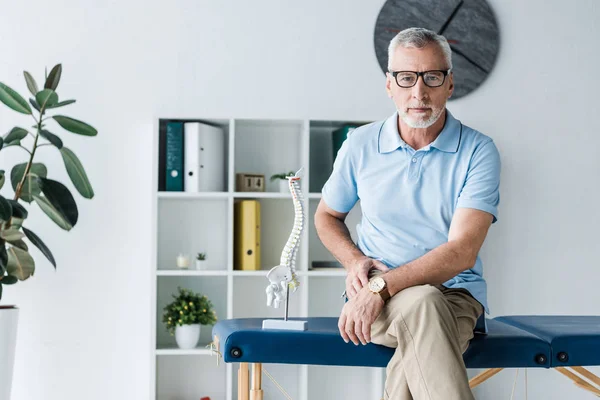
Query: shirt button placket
pixel 415 166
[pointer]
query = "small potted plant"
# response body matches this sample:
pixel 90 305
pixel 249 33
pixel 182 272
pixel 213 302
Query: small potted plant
pixel 184 316
pixel 283 181
pixel 201 261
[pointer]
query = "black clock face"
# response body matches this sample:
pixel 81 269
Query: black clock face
pixel 469 26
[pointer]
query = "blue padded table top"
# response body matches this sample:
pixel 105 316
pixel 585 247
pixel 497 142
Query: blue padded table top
pixel 574 339
pixel 244 340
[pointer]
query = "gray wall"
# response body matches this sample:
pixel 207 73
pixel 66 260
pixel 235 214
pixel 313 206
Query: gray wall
pixel 84 329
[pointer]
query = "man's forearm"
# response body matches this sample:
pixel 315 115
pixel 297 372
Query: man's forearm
pixel 435 267
pixel 335 236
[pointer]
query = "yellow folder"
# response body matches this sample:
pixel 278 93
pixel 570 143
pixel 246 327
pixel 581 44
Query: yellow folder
pixel 247 235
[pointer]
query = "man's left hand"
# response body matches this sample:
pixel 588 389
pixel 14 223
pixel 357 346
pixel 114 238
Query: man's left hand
pixel 358 315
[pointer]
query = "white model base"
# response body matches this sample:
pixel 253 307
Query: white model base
pixel 281 324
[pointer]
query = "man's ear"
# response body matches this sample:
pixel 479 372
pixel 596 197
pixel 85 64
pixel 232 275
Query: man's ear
pixel 451 86
pixel 388 83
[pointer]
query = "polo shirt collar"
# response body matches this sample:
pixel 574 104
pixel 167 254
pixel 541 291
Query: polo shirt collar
pixel 448 139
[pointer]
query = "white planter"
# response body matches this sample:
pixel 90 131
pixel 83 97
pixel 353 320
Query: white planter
pixel 8 341
pixel 201 264
pixel 284 186
pixel 187 336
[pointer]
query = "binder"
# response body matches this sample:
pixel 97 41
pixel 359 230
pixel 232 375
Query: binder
pixel 174 157
pixel 247 235
pixel 339 136
pixel 162 156
pixel 204 158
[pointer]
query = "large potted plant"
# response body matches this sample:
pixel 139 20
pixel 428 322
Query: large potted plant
pixel 31 184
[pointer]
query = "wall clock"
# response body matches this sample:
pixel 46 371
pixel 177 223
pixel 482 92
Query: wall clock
pixel 469 26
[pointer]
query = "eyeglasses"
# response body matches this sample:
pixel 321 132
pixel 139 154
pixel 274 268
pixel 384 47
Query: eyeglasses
pixel 406 79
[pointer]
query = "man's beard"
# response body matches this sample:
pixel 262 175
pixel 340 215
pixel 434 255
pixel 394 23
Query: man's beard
pixel 421 122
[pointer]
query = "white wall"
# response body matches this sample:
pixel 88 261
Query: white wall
pixel 84 329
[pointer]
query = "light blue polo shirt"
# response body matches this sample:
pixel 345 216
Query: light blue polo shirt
pixel 408 197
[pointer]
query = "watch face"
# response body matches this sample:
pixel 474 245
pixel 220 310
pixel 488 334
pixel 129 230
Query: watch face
pixel 376 284
pixel 469 26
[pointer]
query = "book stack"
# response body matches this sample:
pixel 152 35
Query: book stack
pixel 191 157
pixel 326 266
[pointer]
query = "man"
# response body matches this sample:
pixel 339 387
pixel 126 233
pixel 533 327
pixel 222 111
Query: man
pixel 429 191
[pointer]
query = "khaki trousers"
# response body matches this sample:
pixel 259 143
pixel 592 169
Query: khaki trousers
pixel 430 327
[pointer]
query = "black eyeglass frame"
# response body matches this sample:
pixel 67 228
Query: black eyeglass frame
pixel 422 75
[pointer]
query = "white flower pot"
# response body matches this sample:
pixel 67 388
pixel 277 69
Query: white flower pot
pixel 201 264
pixel 8 341
pixel 187 336
pixel 284 186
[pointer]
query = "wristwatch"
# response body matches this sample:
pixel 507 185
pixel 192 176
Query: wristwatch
pixel 378 286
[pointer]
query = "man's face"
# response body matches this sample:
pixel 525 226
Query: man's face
pixel 419 106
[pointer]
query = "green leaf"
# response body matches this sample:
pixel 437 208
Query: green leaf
pixel 52 212
pixel 2 177
pixel 20 263
pixel 37 242
pixel 61 104
pixel 19 243
pixel 35 105
pixel 13 143
pixel 31 85
pixel 3 257
pixel 77 173
pixel 46 97
pixel 9 280
pixel 75 126
pixel 11 235
pixel 18 210
pixel 16 133
pixel 13 99
pixel 30 185
pixel 53 78
pixel 1 142
pixel 52 138
pixel 61 199
pixel 5 209
pixel 16 223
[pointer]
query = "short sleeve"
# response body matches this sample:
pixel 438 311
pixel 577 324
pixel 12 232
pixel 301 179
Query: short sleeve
pixel 340 191
pixel 481 189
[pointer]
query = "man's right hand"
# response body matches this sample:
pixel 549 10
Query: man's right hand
pixel 358 274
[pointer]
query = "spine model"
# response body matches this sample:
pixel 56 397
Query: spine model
pixel 283 276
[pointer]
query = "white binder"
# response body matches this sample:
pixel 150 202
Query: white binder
pixel 204 157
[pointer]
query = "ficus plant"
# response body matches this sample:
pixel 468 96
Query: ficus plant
pixel 30 181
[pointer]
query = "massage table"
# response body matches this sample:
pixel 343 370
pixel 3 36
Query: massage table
pixel 564 343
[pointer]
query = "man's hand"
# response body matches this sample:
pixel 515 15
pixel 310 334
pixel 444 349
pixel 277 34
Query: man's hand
pixel 358 274
pixel 358 315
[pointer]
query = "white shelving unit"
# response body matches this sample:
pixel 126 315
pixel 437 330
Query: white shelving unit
pixel 194 222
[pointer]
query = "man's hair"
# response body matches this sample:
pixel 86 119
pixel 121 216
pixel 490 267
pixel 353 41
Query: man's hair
pixel 419 38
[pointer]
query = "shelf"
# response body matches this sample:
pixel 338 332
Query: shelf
pixel 250 273
pixel 175 272
pixel 262 195
pixel 336 272
pixel 184 377
pixel 213 287
pixel 268 147
pixel 190 227
pixel 317 251
pixel 196 195
pixel 176 351
pixel 193 222
pixel 325 296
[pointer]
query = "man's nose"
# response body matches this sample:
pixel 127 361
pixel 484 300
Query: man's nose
pixel 420 90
